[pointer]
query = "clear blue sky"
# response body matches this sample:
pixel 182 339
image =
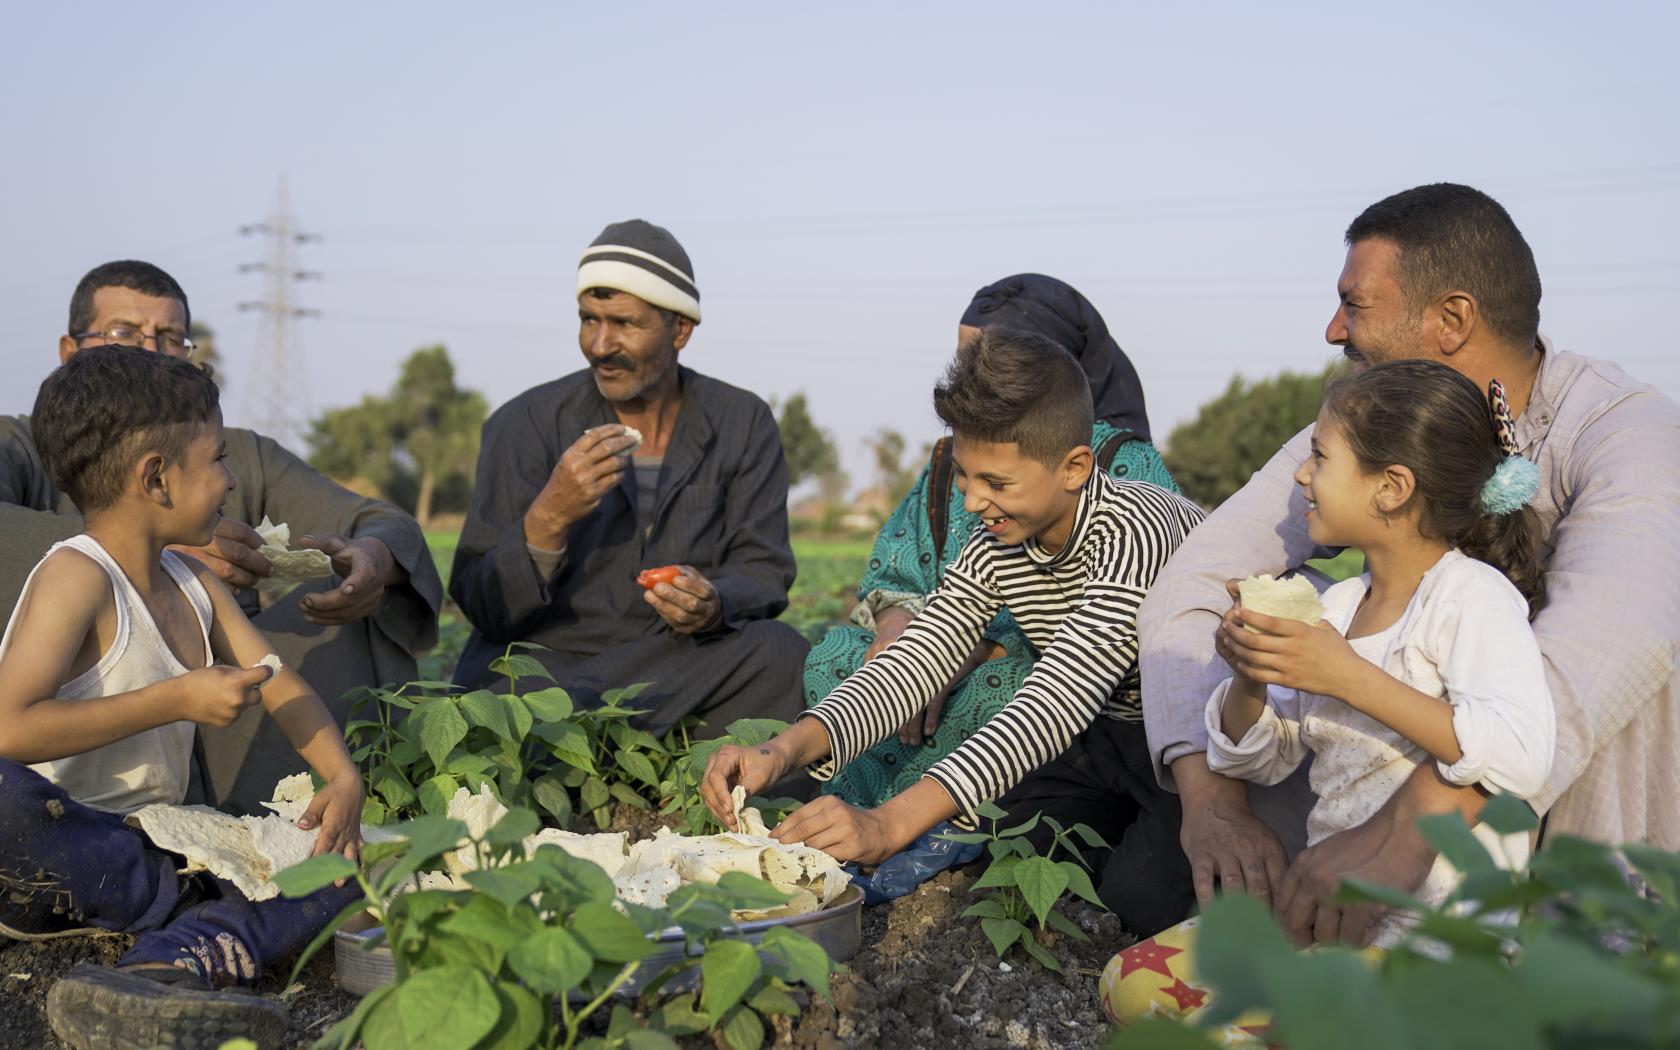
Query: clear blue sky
pixel 843 176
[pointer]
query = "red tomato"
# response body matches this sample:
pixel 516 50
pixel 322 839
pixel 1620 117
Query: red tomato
pixel 651 578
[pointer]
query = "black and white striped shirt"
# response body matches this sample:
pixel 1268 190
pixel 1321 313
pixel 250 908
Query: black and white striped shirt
pixel 1078 607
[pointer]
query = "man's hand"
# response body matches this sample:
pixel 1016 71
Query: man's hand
pixel 218 694
pixel 232 554
pixel 1223 838
pixel 689 603
pixel 844 832
pixel 923 723
pixel 586 472
pixel 754 768
pixel 1387 849
pixel 337 810
pixel 365 567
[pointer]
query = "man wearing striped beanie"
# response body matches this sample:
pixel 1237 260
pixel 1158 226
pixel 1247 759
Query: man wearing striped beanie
pixel 634 463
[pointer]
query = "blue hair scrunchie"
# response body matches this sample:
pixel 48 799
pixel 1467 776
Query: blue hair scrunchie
pixel 1512 486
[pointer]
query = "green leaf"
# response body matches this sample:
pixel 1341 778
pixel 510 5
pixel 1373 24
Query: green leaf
pixel 548 705
pixel 351 911
pixel 608 934
pixel 509 885
pixel 807 961
pixel 773 1000
pixel 1020 829
pixel 1454 840
pixel 648 1039
pixel 443 729
pixel 1087 836
pixel 300 880
pixel 1160 1033
pixel 568 743
pixel 552 961
pixel 518 665
pixel 1079 881
pixel 679 1017
pixel 467 763
pixel 519 716
pixel 374 812
pixel 743 1030
pixel 1237 944
pixel 521 1024
pixel 1570 983
pixel 343 1034
pixel 1508 814
pixel 482 919
pixel 553 797
pixel 594 794
pixel 436 793
pixel 745 891
pixel 1066 926
pixel 514 827
pixel 390 785
pixel 628 795
pixel 1041 882
pixel 1000 873
pixel 1003 932
pixel 1039 953
pixel 639 766
pixel 726 972
pixel 986 909
pixel 447 1008
pixel 377 853
pixel 970 838
pixel 990 811
pixel 481 707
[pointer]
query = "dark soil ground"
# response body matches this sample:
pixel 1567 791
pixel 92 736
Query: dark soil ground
pixel 925 977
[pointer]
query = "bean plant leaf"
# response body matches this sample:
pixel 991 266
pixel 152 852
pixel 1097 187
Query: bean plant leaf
pixel 594 793
pixel 1002 933
pixel 436 793
pixel 1508 814
pixel 1000 873
pixel 1066 926
pixel 807 961
pixel 750 732
pixel 1079 881
pixel 639 766
pixel 300 880
pixel 1454 840
pixel 773 1000
pixel 518 715
pixel 519 665
pixel 553 797
pixel 509 885
pixel 1040 954
pixel 567 742
pixel 986 909
pixel 521 1024
pixel 1020 829
pixel 726 972
pixel 648 1039
pixel 514 827
pixel 743 1030
pixel 746 891
pixel 548 705
pixel 443 729
pixel 608 934
pixel 481 707
pixel 446 1008
pixel 551 961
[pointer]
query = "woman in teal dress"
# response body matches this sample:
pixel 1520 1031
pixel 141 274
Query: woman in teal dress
pixel 906 562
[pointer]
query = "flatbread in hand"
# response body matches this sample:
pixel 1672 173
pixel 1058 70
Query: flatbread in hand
pixel 1294 598
pixel 290 566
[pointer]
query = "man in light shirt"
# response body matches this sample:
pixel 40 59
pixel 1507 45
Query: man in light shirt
pixel 1441 273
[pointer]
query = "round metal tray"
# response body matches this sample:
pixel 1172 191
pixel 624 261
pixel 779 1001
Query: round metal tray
pixel 838 928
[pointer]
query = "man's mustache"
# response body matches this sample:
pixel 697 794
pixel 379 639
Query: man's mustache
pixel 618 361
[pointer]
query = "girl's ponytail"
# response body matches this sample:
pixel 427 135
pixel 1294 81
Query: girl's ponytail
pixel 1511 543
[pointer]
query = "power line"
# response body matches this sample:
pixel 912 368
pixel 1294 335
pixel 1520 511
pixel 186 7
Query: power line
pixel 278 399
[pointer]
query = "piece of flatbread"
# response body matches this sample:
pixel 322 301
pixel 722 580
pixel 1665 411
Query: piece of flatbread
pixel 290 566
pixel 648 888
pixel 292 796
pixel 606 851
pixel 1294 598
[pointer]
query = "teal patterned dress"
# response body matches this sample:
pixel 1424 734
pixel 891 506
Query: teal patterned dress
pixel 902 572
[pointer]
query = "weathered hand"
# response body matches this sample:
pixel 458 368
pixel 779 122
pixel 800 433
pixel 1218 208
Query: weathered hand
pixel 586 472
pixel 754 768
pixel 337 810
pixel 844 832
pixel 689 603
pixel 218 694
pixel 364 565
pixel 232 554
pixel 1384 849
pixel 1222 838
pixel 1313 658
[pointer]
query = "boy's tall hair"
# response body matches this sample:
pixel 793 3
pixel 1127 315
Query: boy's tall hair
pixel 98 412
pixel 1429 418
pixel 1014 386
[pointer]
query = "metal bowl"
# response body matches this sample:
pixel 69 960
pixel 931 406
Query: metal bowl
pixel 838 928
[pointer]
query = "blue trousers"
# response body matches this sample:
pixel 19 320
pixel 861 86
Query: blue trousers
pixel 66 866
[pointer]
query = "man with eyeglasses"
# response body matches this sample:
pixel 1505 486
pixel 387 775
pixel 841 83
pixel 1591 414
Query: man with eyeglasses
pixel 362 627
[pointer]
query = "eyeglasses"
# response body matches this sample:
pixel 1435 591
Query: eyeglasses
pixel 128 335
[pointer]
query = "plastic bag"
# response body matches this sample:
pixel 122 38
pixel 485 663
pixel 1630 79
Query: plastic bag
pixel 902 872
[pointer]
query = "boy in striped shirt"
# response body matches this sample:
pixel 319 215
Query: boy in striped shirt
pixel 1071 553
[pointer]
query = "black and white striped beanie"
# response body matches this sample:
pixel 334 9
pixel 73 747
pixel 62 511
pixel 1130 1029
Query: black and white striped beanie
pixel 644 260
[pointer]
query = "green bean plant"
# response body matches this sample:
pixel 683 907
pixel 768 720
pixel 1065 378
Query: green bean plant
pixel 1022 885
pixel 681 787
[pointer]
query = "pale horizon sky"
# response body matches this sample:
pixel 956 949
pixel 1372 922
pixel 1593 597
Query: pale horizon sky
pixel 843 178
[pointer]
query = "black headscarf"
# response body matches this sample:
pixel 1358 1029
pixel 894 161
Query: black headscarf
pixel 1056 311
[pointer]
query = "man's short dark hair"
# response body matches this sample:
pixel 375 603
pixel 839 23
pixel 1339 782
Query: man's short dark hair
pixel 133 274
pixel 106 406
pixel 1010 386
pixel 1454 238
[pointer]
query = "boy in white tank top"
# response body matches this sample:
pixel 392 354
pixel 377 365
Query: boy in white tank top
pixel 116 650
